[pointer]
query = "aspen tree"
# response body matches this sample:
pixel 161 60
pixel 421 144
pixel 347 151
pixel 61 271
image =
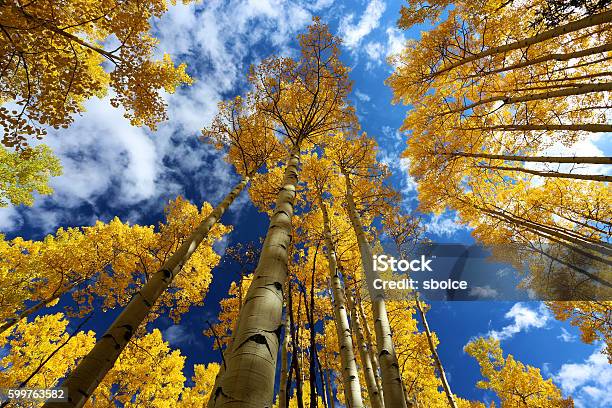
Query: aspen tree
pixel 355 158
pixel 352 389
pixel 283 390
pixel 496 93
pixel 317 174
pixel 365 357
pixel 304 101
pixel 513 382
pixel 406 233
pixel 242 134
pixel 25 172
pixel 594 319
pixel 91 370
pixel 135 379
pixel 29 343
pixel 101 266
pixel 370 346
pixel 52 57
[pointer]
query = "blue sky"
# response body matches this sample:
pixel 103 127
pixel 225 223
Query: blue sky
pixel 113 169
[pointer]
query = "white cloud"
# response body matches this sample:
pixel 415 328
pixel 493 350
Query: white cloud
pixel 566 336
pixel 375 51
pixel 483 292
pixel 396 41
pixel 177 335
pixel 111 166
pixel 9 219
pixel 351 33
pixel 445 224
pixel 361 96
pixel 589 382
pixel 524 318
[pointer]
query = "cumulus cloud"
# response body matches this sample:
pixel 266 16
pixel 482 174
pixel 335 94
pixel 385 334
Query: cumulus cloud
pixel 566 336
pixel 178 335
pixel 589 382
pixel 362 96
pixel 445 224
pixel 111 167
pixel 378 52
pixel 483 292
pixel 524 319
pixel 352 33
pixel 396 41
pixel 9 219
pixel 375 51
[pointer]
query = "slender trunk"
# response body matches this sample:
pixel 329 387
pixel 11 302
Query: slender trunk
pixel 31 310
pixel 373 356
pixel 84 379
pixel 251 359
pixel 350 375
pixel 332 401
pixel 589 21
pixel 550 57
pixel 295 361
pixel 547 235
pixel 434 353
pixel 538 159
pixel 313 334
pixel 507 100
pixel 601 247
pixel 586 127
pixel 282 392
pixel 594 177
pixel 289 381
pixel 366 361
pixel 391 379
pixel 566 78
pixel 324 395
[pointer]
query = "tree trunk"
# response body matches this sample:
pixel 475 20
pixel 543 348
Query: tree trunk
pixel 550 57
pixel 366 361
pixel 84 379
pixel 434 353
pixel 373 356
pixel 295 354
pixel 601 247
pixel 284 374
pixel 589 21
pixel 538 159
pixel 324 394
pixel 31 310
pixel 332 401
pixel 350 375
pixel 251 359
pixel 313 333
pixel 391 379
pixel 512 221
pixel 586 127
pixel 507 100
pixel 593 177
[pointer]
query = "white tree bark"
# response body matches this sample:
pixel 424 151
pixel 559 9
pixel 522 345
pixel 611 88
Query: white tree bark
pixel 350 375
pixel 248 380
pixel 282 392
pixel 370 345
pixel 393 393
pixel 366 360
pixel 84 379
